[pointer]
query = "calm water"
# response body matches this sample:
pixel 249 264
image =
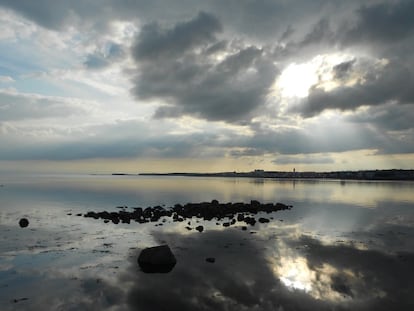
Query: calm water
pixel 344 246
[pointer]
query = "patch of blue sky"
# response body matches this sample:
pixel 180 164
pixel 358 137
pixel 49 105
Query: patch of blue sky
pixel 39 86
pixel 19 60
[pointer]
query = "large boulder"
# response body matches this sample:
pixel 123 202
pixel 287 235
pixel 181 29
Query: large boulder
pixel 158 259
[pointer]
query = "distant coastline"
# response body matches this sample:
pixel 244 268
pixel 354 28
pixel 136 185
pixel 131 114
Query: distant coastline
pixel 389 174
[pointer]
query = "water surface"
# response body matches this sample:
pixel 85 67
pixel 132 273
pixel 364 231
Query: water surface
pixel 345 245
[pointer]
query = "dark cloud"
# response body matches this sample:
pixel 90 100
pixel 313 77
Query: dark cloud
pixel 262 19
pixel 320 32
pixel 180 67
pixel 342 70
pixel 390 116
pixel 375 86
pixel 56 14
pixel 155 43
pixel 386 23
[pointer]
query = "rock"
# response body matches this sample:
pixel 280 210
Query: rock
pixel 250 221
pixel 200 228
pixel 23 223
pixel 211 259
pixel 263 220
pixel 158 259
pixel 207 211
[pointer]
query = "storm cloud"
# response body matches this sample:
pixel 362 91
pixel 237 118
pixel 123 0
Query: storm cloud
pixel 376 86
pixel 194 72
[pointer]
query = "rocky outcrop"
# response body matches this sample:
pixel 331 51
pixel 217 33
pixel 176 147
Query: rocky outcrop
pixel 242 212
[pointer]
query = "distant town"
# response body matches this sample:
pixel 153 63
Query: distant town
pixel 391 174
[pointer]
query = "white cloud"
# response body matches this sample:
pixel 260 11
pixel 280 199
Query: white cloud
pixel 6 79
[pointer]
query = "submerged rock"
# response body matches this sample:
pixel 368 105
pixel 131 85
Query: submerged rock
pixel 23 223
pixel 211 259
pixel 158 259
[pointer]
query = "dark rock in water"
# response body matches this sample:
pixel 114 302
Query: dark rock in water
pixel 250 221
pixel 23 223
pixel 263 220
pixel 206 211
pixel 211 259
pixel 244 228
pixel 158 259
pixel 240 217
pixel 200 228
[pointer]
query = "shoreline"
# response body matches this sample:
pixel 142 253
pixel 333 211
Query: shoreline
pixel 369 175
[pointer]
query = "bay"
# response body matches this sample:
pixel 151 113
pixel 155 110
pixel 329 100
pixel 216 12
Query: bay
pixel 345 245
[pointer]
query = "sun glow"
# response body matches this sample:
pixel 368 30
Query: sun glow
pixel 297 79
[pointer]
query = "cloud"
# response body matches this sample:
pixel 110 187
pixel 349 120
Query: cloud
pixel 388 117
pixel 101 59
pixel 372 279
pixel 304 159
pixel 230 283
pixel 123 139
pixel 156 43
pixel 50 14
pixel 19 106
pixel 374 86
pixel 385 23
pixel 6 79
pixel 247 276
pixel 342 70
pixel 221 64
pixel 190 70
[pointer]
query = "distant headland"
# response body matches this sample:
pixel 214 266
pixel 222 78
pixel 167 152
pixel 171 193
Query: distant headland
pixel 389 174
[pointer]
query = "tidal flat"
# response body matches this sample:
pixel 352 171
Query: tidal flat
pixel 344 245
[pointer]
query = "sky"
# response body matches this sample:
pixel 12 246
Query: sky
pixel 215 85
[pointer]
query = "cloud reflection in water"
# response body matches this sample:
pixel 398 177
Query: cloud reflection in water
pixel 245 276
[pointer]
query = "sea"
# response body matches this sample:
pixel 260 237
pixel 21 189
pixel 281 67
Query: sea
pixel 344 245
